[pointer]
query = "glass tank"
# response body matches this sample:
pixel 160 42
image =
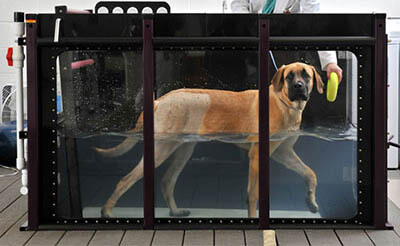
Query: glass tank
pixel 206 135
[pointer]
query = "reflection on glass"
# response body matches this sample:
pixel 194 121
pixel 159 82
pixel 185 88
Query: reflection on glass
pixel 98 100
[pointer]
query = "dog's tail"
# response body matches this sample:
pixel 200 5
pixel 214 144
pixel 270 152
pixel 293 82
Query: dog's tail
pixel 128 143
pixel 120 149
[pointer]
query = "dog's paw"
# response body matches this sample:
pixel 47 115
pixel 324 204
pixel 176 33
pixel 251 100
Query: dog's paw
pixel 105 213
pixel 312 206
pixel 179 213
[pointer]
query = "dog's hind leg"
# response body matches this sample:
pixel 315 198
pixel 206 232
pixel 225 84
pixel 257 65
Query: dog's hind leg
pixel 178 162
pixel 252 187
pixel 162 150
pixel 288 157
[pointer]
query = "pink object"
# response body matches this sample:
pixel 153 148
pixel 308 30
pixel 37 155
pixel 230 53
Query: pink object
pixel 84 63
pixel 76 11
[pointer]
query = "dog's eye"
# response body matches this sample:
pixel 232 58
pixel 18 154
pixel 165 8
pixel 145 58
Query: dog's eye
pixel 290 76
pixel 305 75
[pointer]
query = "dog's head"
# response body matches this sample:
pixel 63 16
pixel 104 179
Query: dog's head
pixel 296 81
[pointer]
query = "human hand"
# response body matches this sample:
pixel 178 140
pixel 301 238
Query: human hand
pixel 333 67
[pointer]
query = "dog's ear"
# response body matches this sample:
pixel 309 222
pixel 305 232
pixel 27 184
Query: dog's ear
pixel 278 80
pixel 318 81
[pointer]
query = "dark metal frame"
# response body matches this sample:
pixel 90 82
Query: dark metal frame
pixel 369 47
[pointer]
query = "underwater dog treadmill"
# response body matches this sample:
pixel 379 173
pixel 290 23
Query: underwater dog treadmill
pixel 90 76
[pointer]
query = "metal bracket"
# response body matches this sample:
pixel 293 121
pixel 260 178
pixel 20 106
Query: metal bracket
pixel 21 41
pixel 23 135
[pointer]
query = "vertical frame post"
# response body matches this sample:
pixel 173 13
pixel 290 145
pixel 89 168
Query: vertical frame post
pixel 380 125
pixel 33 122
pixel 148 128
pixel 263 122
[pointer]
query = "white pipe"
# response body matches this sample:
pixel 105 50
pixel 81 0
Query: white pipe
pixel 18 63
pixel 18 58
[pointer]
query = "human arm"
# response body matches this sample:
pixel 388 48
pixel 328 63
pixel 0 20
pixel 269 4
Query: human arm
pixel 327 58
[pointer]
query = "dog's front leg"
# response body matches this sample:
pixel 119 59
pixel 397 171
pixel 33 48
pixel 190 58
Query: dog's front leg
pixel 286 155
pixel 252 188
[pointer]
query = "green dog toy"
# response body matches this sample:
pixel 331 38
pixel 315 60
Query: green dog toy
pixel 331 90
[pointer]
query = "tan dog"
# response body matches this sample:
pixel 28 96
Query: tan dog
pixel 212 113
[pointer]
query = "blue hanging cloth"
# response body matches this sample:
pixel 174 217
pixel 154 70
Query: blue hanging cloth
pixel 269 7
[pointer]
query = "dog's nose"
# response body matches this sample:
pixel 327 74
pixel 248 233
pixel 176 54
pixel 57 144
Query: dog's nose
pixel 299 85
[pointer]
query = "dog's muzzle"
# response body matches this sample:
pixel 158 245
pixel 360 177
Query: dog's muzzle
pixel 298 92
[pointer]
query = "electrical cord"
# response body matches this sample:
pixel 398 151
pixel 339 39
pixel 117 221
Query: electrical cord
pixel 15 171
